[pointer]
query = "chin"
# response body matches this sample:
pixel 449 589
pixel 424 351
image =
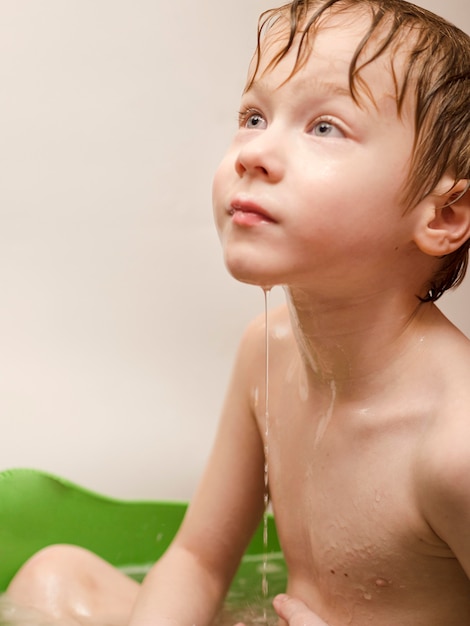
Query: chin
pixel 249 276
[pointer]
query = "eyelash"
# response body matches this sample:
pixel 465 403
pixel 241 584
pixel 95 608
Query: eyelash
pixel 326 119
pixel 245 114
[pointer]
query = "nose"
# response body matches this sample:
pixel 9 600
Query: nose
pixel 262 156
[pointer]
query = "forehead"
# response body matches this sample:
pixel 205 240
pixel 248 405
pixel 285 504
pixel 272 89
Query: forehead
pixel 331 50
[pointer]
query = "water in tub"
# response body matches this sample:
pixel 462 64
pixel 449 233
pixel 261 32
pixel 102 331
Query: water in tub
pixel 246 601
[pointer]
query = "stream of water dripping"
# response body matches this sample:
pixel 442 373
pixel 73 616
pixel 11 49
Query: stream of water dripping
pixel 264 580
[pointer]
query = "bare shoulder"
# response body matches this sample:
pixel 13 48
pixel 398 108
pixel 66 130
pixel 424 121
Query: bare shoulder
pixel 275 329
pixel 444 459
pixel 447 439
pixel 273 334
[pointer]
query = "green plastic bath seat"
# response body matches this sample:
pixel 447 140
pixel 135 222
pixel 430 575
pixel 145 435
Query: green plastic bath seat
pixel 38 509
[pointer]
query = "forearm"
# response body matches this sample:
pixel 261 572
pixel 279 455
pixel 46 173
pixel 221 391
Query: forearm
pixel 178 591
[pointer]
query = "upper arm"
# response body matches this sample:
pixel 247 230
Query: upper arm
pixel 446 492
pixel 228 503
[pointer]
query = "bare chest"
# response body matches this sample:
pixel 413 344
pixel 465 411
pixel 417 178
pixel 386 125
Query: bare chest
pixel 354 540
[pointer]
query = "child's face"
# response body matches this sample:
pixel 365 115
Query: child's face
pixel 310 188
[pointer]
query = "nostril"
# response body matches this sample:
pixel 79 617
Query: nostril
pixel 239 167
pixel 260 157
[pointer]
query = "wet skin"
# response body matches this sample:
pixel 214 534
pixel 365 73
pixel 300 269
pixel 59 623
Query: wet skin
pixel 309 196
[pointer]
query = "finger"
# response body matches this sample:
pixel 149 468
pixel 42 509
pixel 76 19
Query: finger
pixel 287 607
pixel 294 611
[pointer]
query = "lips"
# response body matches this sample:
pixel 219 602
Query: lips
pixel 248 213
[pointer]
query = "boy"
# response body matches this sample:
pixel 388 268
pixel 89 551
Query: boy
pixel 347 183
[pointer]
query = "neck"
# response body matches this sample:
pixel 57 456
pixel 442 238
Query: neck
pixel 357 346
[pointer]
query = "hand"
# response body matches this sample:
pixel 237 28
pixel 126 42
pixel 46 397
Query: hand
pixel 295 612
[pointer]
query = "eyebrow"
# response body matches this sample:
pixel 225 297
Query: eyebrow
pixel 323 87
pixel 334 89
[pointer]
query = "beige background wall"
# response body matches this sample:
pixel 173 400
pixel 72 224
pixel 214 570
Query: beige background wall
pixel 118 322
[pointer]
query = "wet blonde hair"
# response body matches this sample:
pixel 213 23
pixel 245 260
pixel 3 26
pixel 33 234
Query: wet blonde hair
pixel 436 78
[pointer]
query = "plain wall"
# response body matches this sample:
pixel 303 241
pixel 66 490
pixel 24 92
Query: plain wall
pixel 118 321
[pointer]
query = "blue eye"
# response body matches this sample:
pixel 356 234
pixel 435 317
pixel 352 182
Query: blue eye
pixel 254 121
pixel 251 119
pixel 324 128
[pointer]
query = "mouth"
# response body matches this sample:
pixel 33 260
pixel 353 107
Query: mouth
pixel 247 213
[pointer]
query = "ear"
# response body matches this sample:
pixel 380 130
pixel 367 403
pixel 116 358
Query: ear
pixel 444 224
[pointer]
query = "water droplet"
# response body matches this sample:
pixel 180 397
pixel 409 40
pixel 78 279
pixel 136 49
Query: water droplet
pixel 255 394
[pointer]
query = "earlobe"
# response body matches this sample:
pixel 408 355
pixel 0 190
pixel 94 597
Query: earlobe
pixel 445 223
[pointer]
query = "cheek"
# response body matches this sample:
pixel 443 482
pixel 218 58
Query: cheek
pixel 221 188
pixel 218 204
pixel 217 185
